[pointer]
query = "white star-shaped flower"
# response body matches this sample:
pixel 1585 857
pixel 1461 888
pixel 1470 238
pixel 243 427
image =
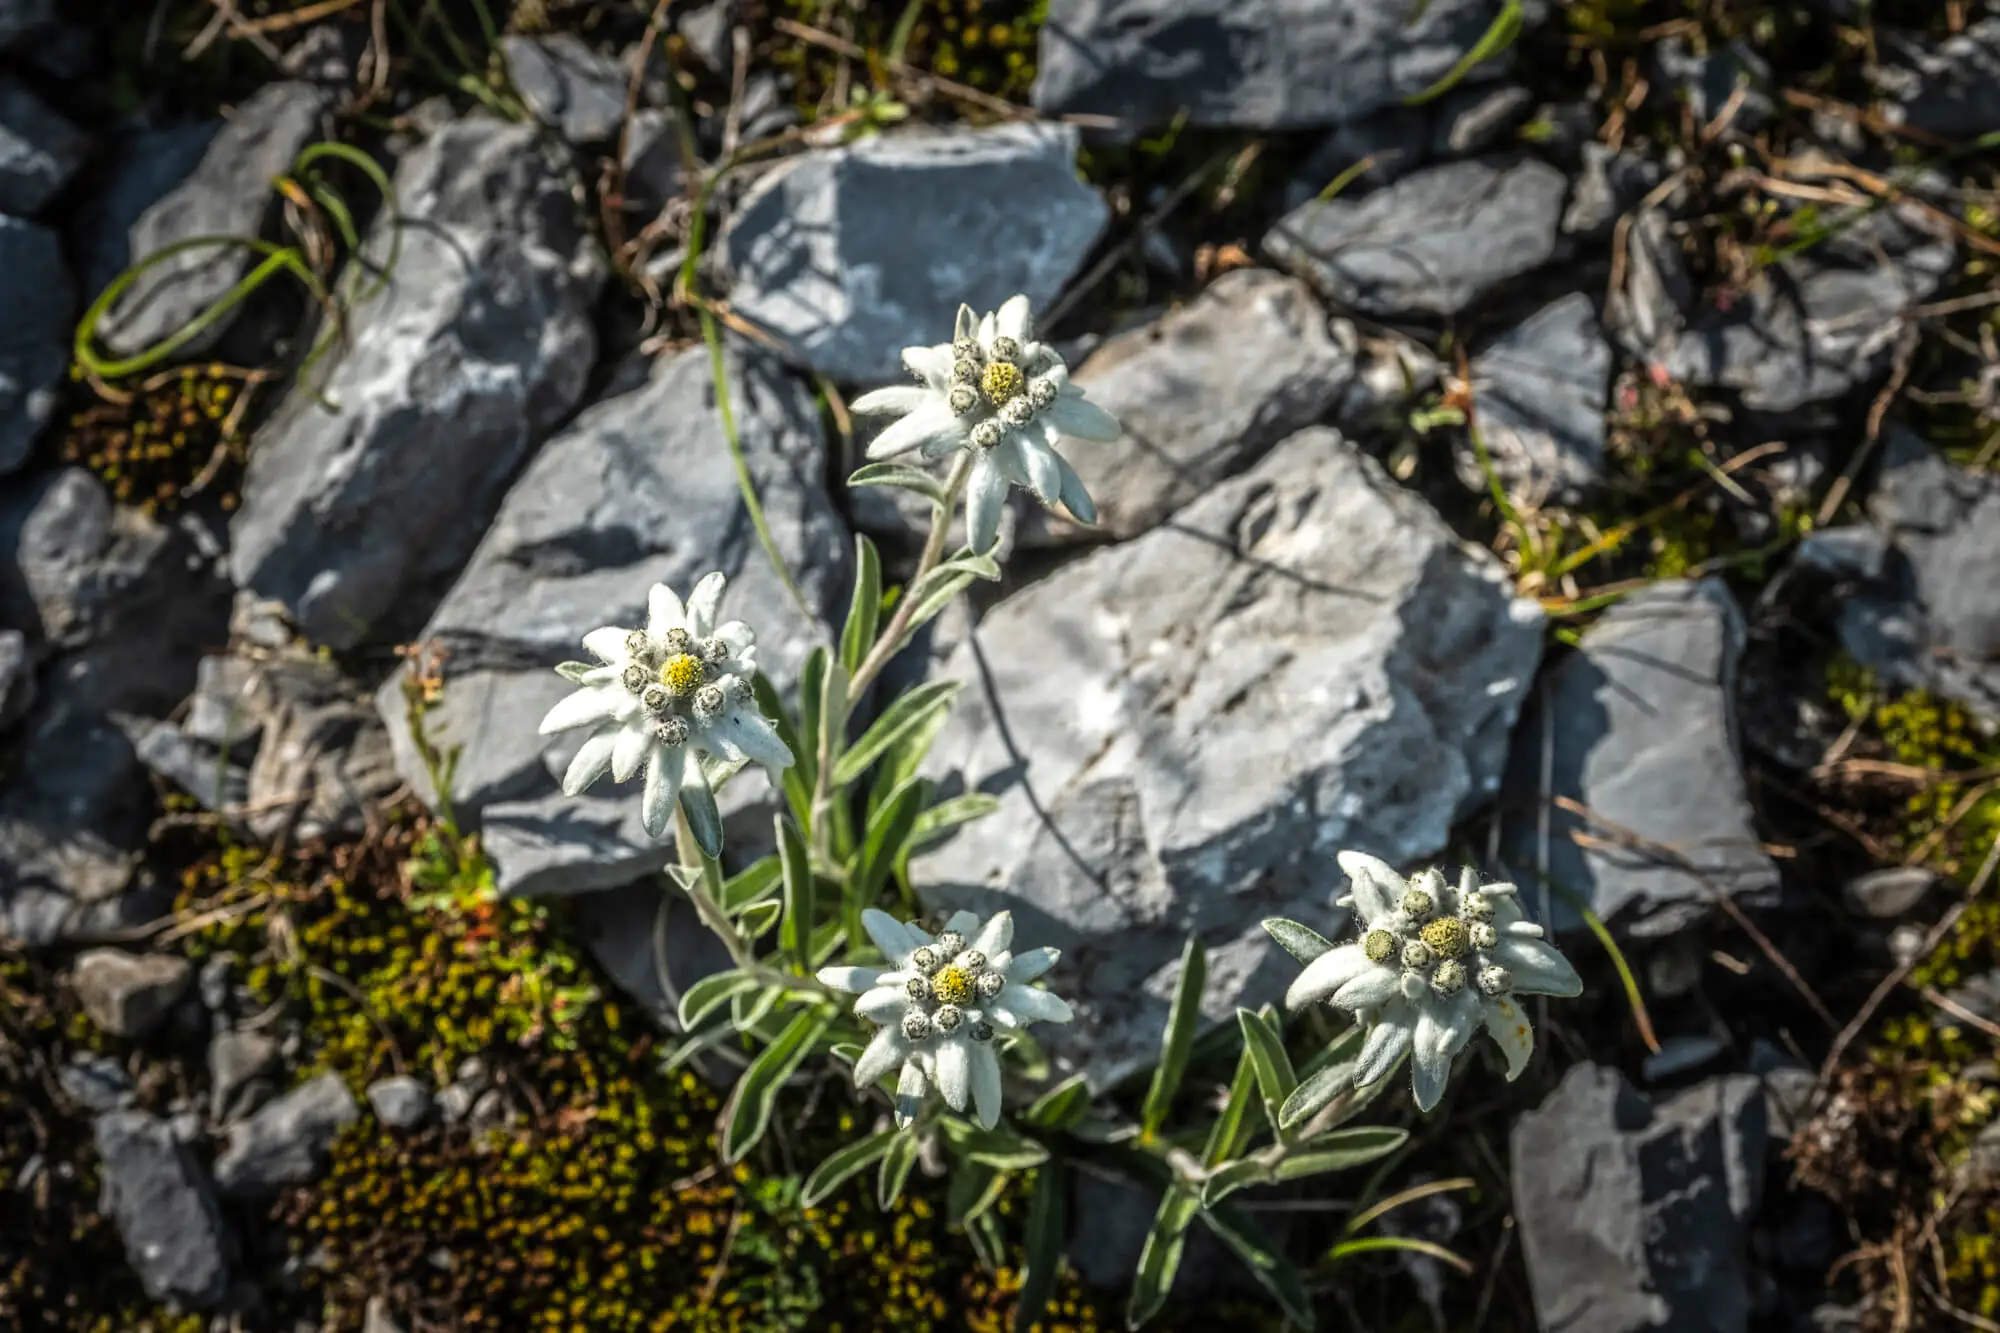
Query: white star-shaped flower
pixel 940 1005
pixel 661 697
pixel 1432 964
pixel 995 391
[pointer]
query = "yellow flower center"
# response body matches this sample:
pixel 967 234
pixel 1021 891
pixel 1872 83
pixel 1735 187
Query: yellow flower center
pixel 952 985
pixel 682 672
pixel 1001 381
pixel 1446 936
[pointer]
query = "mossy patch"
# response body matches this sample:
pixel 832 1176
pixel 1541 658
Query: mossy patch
pixel 161 439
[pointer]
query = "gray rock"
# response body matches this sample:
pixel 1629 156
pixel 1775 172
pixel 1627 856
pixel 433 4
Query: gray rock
pixel 480 343
pixel 636 491
pixel 228 194
pixel 1890 892
pixel 1182 730
pixel 1939 622
pixel 21 19
pixel 1476 119
pixel 165 1210
pixel 328 53
pixel 654 172
pixel 851 254
pixel 196 769
pixel 1540 393
pixel 126 994
pixel 1638 727
pixel 1647 314
pixel 1608 184
pixel 1731 79
pixel 1393 142
pixel 39 151
pixel 1949 90
pixel 1854 551
pixel 1634 1215
pixel 286 1141
pixel 377 1318
pixel 323 760
pixel 235 1058
pixel 1203 393
pixel 574 90
pixel 34 342
pixel 708 32
pixel 1269 65
pixel 400 1101
pixel 97 1083
pixel 1431 244
pixel 17 678
pixel 139 170
pixel 71 827
pixel 1818 326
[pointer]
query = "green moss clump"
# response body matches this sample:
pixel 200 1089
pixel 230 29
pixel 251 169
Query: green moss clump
pixel 1903 1118
pixel 602 1207
pixel 149 449
pixel 985 44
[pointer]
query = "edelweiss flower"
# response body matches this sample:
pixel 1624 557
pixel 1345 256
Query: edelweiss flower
pixel 662 696
pixel 995 391
pixel 1431 965
pixel 940 1006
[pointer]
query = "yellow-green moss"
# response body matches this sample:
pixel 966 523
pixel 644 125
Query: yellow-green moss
pixel 150 448
pixel 986 44
pixel 1908 1109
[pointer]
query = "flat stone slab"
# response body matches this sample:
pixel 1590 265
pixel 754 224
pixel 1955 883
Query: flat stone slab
pixel 1255 64
pixel 1638 728
pixel 1433 243
pixel 851 254
pixel 639 489
pixel 1202 394
pixel 1540 390
pixel 1183 729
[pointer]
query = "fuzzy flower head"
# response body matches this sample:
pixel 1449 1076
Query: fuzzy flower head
pixel 660 697
pixel 940 1005
pixel 995 391
pixel 1432 964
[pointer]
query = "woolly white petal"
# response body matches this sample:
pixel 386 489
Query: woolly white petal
pixel 607 644
pixel 962 922
pixel 994 937
pixel 1385 1045
pixel 988 331
pixel 933 423
pixel 664 614
pixel 1511 1032
pixel 1075 497
pixel 1026 967
pixel 1367 989
pixel 591 706
pixel 1443 1028
pixel 885 1051
pixel 629 752
pixel 590 763
pixel 910 1089
pixel 985 495
pixel 1029 1005
pixel 856 979
pixel 1326 974
pixel 986 1084
pixel 898 399
pixel 1078 416
pixel 757 739
pixel 1042 469
pixel 932 365
pixel 891 936
pixel 740 639
pixel 663 789
pixel 1536 967
pixel 703 602
pixel 1378 889
pixel 954 1070
pixel 883 1004
pixel 1014 320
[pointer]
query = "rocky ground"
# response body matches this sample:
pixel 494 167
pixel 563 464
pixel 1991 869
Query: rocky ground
pixel 1559 438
